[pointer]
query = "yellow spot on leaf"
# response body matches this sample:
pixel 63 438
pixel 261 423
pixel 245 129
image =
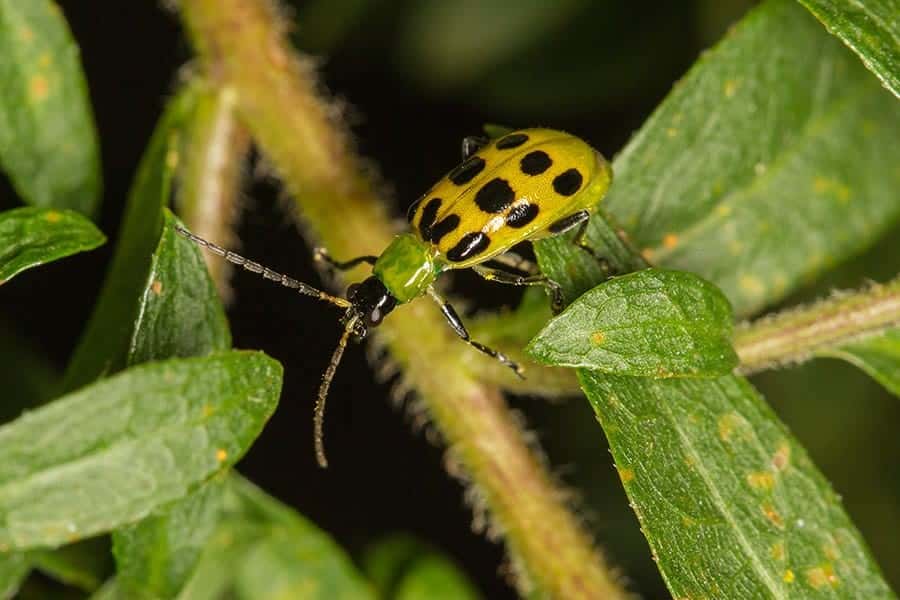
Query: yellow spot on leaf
pixel 626 475
pixel 778 551
pixel 821 576
pixel 53 217
pixel 761 480
pixel 723 210
pixel 671 132
pixel 782 457
pixel 670 240
pixel 773 516
pixel 26 34
pixel 45 60
pixel 730 88
pixel 730 422
pixel 752 285
pixel 221 455
pixel 647 253
pixel 831 551
pixel 788 576
pixel 598 337
pixel 156 287
pixel 38 88
pixel 207 410
pixel 688 521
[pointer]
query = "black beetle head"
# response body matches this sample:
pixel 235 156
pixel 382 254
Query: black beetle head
pixel 371 300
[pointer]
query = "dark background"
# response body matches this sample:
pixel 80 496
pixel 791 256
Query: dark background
pixel 597 70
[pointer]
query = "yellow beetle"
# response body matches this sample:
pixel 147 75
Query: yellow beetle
pixel 525 185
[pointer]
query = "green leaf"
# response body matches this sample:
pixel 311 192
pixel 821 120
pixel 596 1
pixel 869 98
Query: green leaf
pixel 48 145
pixel 179 313
pixel 108 454
pixel 265 550
pixel 744 174
pixel 32 236
pixel 154 558
pixel 651 323
pixel 402 568
pixel 731 504
pixel 878 356
pixel 870 28
pixel 14 568
pixel 104 345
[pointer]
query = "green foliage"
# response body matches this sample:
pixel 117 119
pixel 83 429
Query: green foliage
pixel 726 497
pixel 264 550
pixel 106 455
pixel 105 343
pixel 879 356
pixel 653 323
pixel 870 28
pixel 179 312
pixel 82 564
pixel 743 174
pixel 32 236
pixel 47 141
pixel 403 568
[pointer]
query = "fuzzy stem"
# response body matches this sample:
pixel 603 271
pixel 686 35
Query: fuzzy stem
pixel 215 150
pixel 242 44
pixel 797 334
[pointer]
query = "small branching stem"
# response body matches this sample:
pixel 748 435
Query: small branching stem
pixel 797 334
pixel 242 45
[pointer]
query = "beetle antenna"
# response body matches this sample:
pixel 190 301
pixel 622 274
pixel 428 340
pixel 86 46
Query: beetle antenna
pixel 319 417
pixel 267 273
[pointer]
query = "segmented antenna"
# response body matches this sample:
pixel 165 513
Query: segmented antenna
pixel 319 418
pixel 255 267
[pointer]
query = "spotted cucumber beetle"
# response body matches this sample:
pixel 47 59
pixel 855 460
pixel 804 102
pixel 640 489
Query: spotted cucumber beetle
pixel 525 185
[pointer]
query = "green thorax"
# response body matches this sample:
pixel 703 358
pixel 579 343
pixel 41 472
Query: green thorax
pixel 407 267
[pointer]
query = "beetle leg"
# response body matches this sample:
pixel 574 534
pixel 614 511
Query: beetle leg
pixel 472 144
pixel 457 325
pixel 321 255
pixel 501 276
pixel 580 220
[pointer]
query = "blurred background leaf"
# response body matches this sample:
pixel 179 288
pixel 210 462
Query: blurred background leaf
pixel 48 144
pixel 879 356
pixel 31 236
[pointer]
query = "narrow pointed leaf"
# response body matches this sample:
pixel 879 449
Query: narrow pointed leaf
pixel 879 356
pixel 870 28
pixel 104 345
pixel 179 313
pixel 30 237
pixel 14 568
pixel 651 323
pixel 745 173
pixel 48 145
pixel 110 453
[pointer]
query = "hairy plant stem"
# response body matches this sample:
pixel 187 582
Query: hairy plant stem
pixel 242 46
pixel 798 334
pixel 215 150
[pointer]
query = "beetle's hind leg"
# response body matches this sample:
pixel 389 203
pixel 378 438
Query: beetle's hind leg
pixel 502 276
pixel 580 220
pixel 460 329
pixel 472 144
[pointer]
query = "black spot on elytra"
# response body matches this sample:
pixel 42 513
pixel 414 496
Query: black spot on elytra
pixel 471 244
pixel 522 215
pixel 467 171
pixel 443 227
pixel 513 140
pixel 411 211
pixel 495 196
pixel 535 163
pixel 567 182
pixel 429 214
